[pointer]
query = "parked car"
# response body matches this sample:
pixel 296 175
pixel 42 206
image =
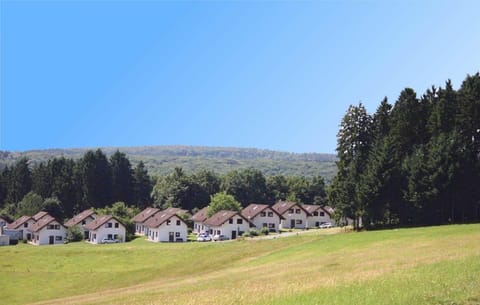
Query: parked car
pixel 325 225
pixel 219 237
pixel 204 237
pixel 109 241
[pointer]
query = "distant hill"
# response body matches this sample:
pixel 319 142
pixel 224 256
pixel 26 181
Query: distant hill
pixel 161 160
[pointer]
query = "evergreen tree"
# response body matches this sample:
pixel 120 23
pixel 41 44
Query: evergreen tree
pixel 20 181
pixel 96 179
pixel 122 178
pixel 142 186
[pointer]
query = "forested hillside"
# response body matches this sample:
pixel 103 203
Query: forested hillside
pixel 416 162
pixel 160 160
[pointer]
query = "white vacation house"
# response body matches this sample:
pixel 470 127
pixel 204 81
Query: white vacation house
pixel 140 219
pixel 199 221
pixel 231 224
pixel 82 220
pixel 105 228
pixel 48 231
pixel 262 216
pixel 294 215
pixel 317 215
pixel 166 226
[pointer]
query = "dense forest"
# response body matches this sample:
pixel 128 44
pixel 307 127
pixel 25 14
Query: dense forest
pixel 64 186
pixel 416 162
pixel 160 160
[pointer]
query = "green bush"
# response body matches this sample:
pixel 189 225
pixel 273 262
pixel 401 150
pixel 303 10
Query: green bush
pixel 265 231
pixel 250 233
pixel 74 233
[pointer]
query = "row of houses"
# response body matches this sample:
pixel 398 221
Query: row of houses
pixel 166 225
pixel 43 229
pixel 169 225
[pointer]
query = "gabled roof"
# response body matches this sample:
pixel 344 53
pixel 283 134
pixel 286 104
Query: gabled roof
pixel 200 216
pixel 175 210
pixel 310 208
pixel 79 218
pixel 254 209
pixel 329 209
pixel 42 222
pixel 222 217
pixel 39 215
pixel 17 223
pixel 99 221
pixel 282 206
pixel 145 214
pixel 161 217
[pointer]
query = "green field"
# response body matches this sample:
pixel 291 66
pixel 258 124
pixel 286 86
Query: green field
pixel 436 265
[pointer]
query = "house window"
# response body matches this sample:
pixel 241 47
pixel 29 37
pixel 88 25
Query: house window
pixel 110 236
pixel 156 233
pixel 116 225
pixel 57 227
pixel 178 222
pixel 177 234
pixel 83 222
pixel 270 214
pixel 239 221
pixel 50 227
pixel 315 213
pixel 108 225
pixel 211 231
pixel 290 211
pixel 58 238
pixel 297 211
pixel 195 226
pixel 298 221
pixel 264 225
pixel 263 214
pixel 322 214
pixel 271 226
pixel 115 236
pixel 94 236
pixel 168 222
pixel 25 225
pixel 230 221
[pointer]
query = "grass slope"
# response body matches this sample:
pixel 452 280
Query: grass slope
pixel 436 265
pixel 161 160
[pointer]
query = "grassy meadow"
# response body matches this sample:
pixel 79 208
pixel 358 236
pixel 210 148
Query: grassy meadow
pixel 434 265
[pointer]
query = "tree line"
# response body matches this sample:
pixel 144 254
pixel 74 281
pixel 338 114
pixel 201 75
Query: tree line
pixel 416 162
pixel 64 186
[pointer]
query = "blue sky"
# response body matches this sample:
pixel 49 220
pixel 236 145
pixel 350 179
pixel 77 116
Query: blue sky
pixel 266 74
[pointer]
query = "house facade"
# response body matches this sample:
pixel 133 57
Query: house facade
pixel 82 220
pixel 48 231
pixel 262 216
pixel 140 219
pixel 198 219
pixel 23 225
pixel 166 227
pixel 316 215
pixel 105 227
pixel 229 223
pixel 294 215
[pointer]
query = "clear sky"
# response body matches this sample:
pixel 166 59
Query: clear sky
pixel 265 74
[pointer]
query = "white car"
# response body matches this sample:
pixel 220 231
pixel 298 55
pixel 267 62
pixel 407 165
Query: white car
pixel 204 237
pixel 325 225
pixel 220 237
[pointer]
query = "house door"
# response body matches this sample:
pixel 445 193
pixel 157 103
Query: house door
pixel 29 236
pixel 51 240
pixel 292 223
pixel 234 234
pixel 171 236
